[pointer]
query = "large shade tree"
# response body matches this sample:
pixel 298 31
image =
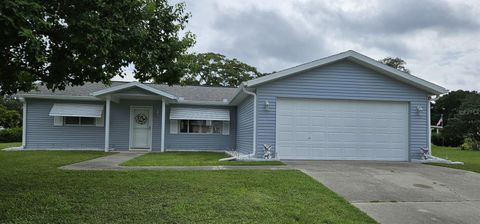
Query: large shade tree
pixel 63 43
pixel 216 70
pixel 465 123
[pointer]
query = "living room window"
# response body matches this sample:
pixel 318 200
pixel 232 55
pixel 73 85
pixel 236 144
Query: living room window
pixel 201 126
pixel 79 121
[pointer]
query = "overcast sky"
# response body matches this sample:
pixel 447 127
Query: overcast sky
pixel 439 40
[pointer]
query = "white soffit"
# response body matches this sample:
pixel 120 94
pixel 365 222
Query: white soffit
pixel 76 110
pixel 189 113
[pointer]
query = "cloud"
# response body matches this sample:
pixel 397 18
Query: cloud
pixel 267 35
pixel 437 39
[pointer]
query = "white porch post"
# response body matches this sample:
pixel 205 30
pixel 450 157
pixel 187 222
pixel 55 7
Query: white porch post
pixel 162 144
pixel 107 124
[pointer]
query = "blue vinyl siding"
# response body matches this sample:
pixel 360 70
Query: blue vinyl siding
pixel 342 80
pixel 245 126
pixel 201 141
pixel 41 134
pixel 120 123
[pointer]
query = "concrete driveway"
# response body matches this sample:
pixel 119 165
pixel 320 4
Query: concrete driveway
pixel 401 192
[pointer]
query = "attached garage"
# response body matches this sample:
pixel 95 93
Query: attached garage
pixel 341 129
pixel 343 107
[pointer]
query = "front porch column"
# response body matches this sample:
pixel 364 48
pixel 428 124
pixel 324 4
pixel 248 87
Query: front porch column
pixel 162 144
pixel 107 123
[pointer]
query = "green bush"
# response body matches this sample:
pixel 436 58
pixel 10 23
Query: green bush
pixel 11 135
pixel 437 139
pixel 470 144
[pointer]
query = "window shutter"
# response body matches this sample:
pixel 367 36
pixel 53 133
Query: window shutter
pixel 226 128
pixel 57 121
pixel 99 121
pixel 173 126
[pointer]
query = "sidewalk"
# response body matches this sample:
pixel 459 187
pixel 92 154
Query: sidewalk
pixel 112 162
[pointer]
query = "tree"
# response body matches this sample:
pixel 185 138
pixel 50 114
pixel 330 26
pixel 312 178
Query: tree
pixel 467 121
pixel 9 118
pixel 215 70
pixel 62 43
pixel 11 103
pixel 448 105
pixel 396 63
pixel 8 105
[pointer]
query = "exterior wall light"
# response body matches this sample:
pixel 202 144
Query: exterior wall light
pixel 419 109
pixel 267 105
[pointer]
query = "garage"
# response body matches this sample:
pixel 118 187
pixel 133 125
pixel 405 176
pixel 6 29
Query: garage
pixel 341 129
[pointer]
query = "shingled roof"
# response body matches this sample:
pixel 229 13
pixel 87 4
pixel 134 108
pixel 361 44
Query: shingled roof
pixel 190 93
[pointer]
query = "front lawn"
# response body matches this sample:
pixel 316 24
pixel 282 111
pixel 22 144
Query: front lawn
pixel 34 190
pixel 10 144
pixel 191 159
pixel 470 158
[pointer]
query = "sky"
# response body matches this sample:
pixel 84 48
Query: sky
pixel 439 40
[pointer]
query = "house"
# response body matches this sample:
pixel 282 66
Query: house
pixel 342 107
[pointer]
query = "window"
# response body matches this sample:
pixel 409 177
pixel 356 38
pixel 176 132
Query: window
pixel 200 126
pixel 80 121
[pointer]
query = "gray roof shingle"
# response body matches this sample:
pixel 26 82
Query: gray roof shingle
pixel 190 93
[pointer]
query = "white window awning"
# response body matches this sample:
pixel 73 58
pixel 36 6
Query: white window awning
pixel 76 110
pixel 193 113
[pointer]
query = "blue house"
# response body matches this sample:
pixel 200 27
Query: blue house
pixel 342 107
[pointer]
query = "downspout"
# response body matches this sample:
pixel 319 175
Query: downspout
pixel 254 120
pixel 429 126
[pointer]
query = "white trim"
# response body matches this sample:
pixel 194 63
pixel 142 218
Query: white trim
pixel 254 121
pixel 359 58
pixel 133 84
pixel 130 135
pixel 76 110
pixel 24 124
pixel 107 124
pixel 199 113
pixel 162 141
pixel 193 102
pixel 59 97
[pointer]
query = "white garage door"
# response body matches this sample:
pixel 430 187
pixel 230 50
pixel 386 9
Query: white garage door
pixel 341 130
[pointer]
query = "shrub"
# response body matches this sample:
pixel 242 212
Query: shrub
pixel 437 139
pixel 11 135
pixel 470 144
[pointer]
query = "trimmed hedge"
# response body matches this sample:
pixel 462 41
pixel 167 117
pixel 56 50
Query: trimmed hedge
pixel 11 135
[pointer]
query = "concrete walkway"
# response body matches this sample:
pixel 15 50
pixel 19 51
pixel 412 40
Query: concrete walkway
pixel 113 162
pixel 399 192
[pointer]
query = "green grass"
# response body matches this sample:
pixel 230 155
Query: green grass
pixel 33 190
pixel 470 158
pixel 9 144
pixel 191 159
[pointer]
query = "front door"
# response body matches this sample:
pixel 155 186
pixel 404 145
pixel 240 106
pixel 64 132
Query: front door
pixel 140 127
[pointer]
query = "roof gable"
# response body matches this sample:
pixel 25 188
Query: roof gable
pixel 118 88
pixel 359 59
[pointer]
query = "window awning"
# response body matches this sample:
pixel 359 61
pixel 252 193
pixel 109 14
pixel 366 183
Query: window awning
pixel 189 113
pixel 76 110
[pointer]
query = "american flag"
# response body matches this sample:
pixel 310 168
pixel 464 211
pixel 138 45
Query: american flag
pixel 440 122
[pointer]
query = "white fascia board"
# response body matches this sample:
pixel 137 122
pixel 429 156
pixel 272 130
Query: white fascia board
pixel 133 84
pixel 395 73
pixel 237 92
pixel 296 69
pixel 359 58
pixel 58 97
pixel 206 103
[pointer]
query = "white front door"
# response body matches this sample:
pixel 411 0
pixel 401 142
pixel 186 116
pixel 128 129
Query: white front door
pixel 140 127
pixel 342 129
